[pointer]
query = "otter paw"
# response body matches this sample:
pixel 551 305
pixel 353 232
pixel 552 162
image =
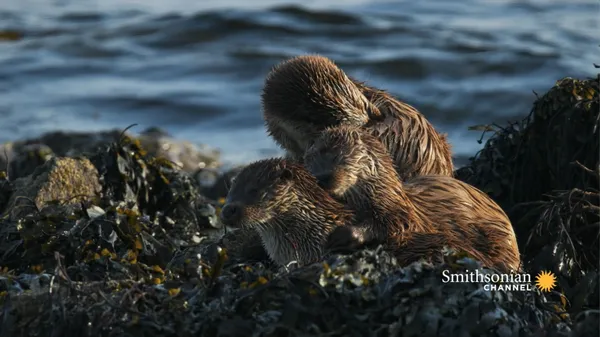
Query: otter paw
pixel 344 238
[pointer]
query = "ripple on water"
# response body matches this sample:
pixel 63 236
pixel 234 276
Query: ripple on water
pixel 199 73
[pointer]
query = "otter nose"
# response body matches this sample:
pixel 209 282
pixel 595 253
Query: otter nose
pixel 229 213
pixel 324 180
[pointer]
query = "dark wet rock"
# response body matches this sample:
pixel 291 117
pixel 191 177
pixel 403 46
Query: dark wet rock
pixel 545 173
pixel 64 180
pixel 214 183
pixel 186 155
pixel 6 189
pixel 22 157
pixel 30 157
pixel 25 155
pixel 587 323
pixel 74 143
pixel 244 245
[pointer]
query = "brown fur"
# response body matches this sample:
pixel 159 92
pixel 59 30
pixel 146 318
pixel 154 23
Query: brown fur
pixel 355 167
pixel 415 246
pixel 301 96
pixel 282 201
pixel 306 94
pixel 416 147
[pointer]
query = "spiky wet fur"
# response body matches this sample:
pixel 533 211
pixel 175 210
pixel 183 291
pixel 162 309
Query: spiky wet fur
pixel 413 143
pixel 364 177
pixel 282 201
pixel 306 94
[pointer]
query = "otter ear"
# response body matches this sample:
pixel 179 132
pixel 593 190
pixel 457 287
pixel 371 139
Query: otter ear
pixel 286 174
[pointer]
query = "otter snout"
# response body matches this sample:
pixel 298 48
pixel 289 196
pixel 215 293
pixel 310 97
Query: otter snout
pixel 231 214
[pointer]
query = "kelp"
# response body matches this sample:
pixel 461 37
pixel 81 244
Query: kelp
pixel 364 294
pixel 145 257
pixel 545 172
pixel 146 211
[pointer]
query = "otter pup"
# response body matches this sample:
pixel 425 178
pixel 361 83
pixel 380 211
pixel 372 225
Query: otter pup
pixel 355 167
pixel 304 95
pixel 282 201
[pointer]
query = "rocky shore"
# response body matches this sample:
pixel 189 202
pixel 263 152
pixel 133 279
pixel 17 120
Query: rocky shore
pixel 115 234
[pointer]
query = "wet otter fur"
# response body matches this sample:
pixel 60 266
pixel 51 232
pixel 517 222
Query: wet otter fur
pixel 282 201
pixel 413 143
pixel 414 246
pixel 301 96
pixel 306 94
pixel 355 167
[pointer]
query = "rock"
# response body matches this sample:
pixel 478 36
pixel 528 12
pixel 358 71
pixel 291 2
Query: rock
pixel 71 144
pixel 586 324
pixel 214 184
pixel 6 189
pixel 244 245
pixel 64 180
pixel 141 259
pixel 30 157
pixel 25 155
pixel 186 155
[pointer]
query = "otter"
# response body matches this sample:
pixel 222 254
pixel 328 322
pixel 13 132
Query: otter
pixel 244 244
pixel 355 168
pixel 306 94
pixel 414 246
pixel 283 202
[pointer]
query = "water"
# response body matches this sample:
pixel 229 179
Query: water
pixel 197 70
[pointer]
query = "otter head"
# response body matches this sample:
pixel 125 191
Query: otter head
pixel 306 94
pixel 259 192
pixel 341 157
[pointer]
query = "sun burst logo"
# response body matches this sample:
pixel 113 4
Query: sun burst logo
pixel 545 281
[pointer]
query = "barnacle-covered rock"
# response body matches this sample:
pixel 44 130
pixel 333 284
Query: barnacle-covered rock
pixel 67 180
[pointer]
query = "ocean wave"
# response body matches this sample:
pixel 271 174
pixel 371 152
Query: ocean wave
pixel 473 62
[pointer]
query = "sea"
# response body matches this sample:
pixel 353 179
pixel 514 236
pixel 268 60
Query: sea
pixel 196 68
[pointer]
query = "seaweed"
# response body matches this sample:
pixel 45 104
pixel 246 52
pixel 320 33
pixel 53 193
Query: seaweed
pixel 545 172
pixel 142 253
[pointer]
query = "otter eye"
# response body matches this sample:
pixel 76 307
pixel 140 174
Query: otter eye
pixel 252 190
